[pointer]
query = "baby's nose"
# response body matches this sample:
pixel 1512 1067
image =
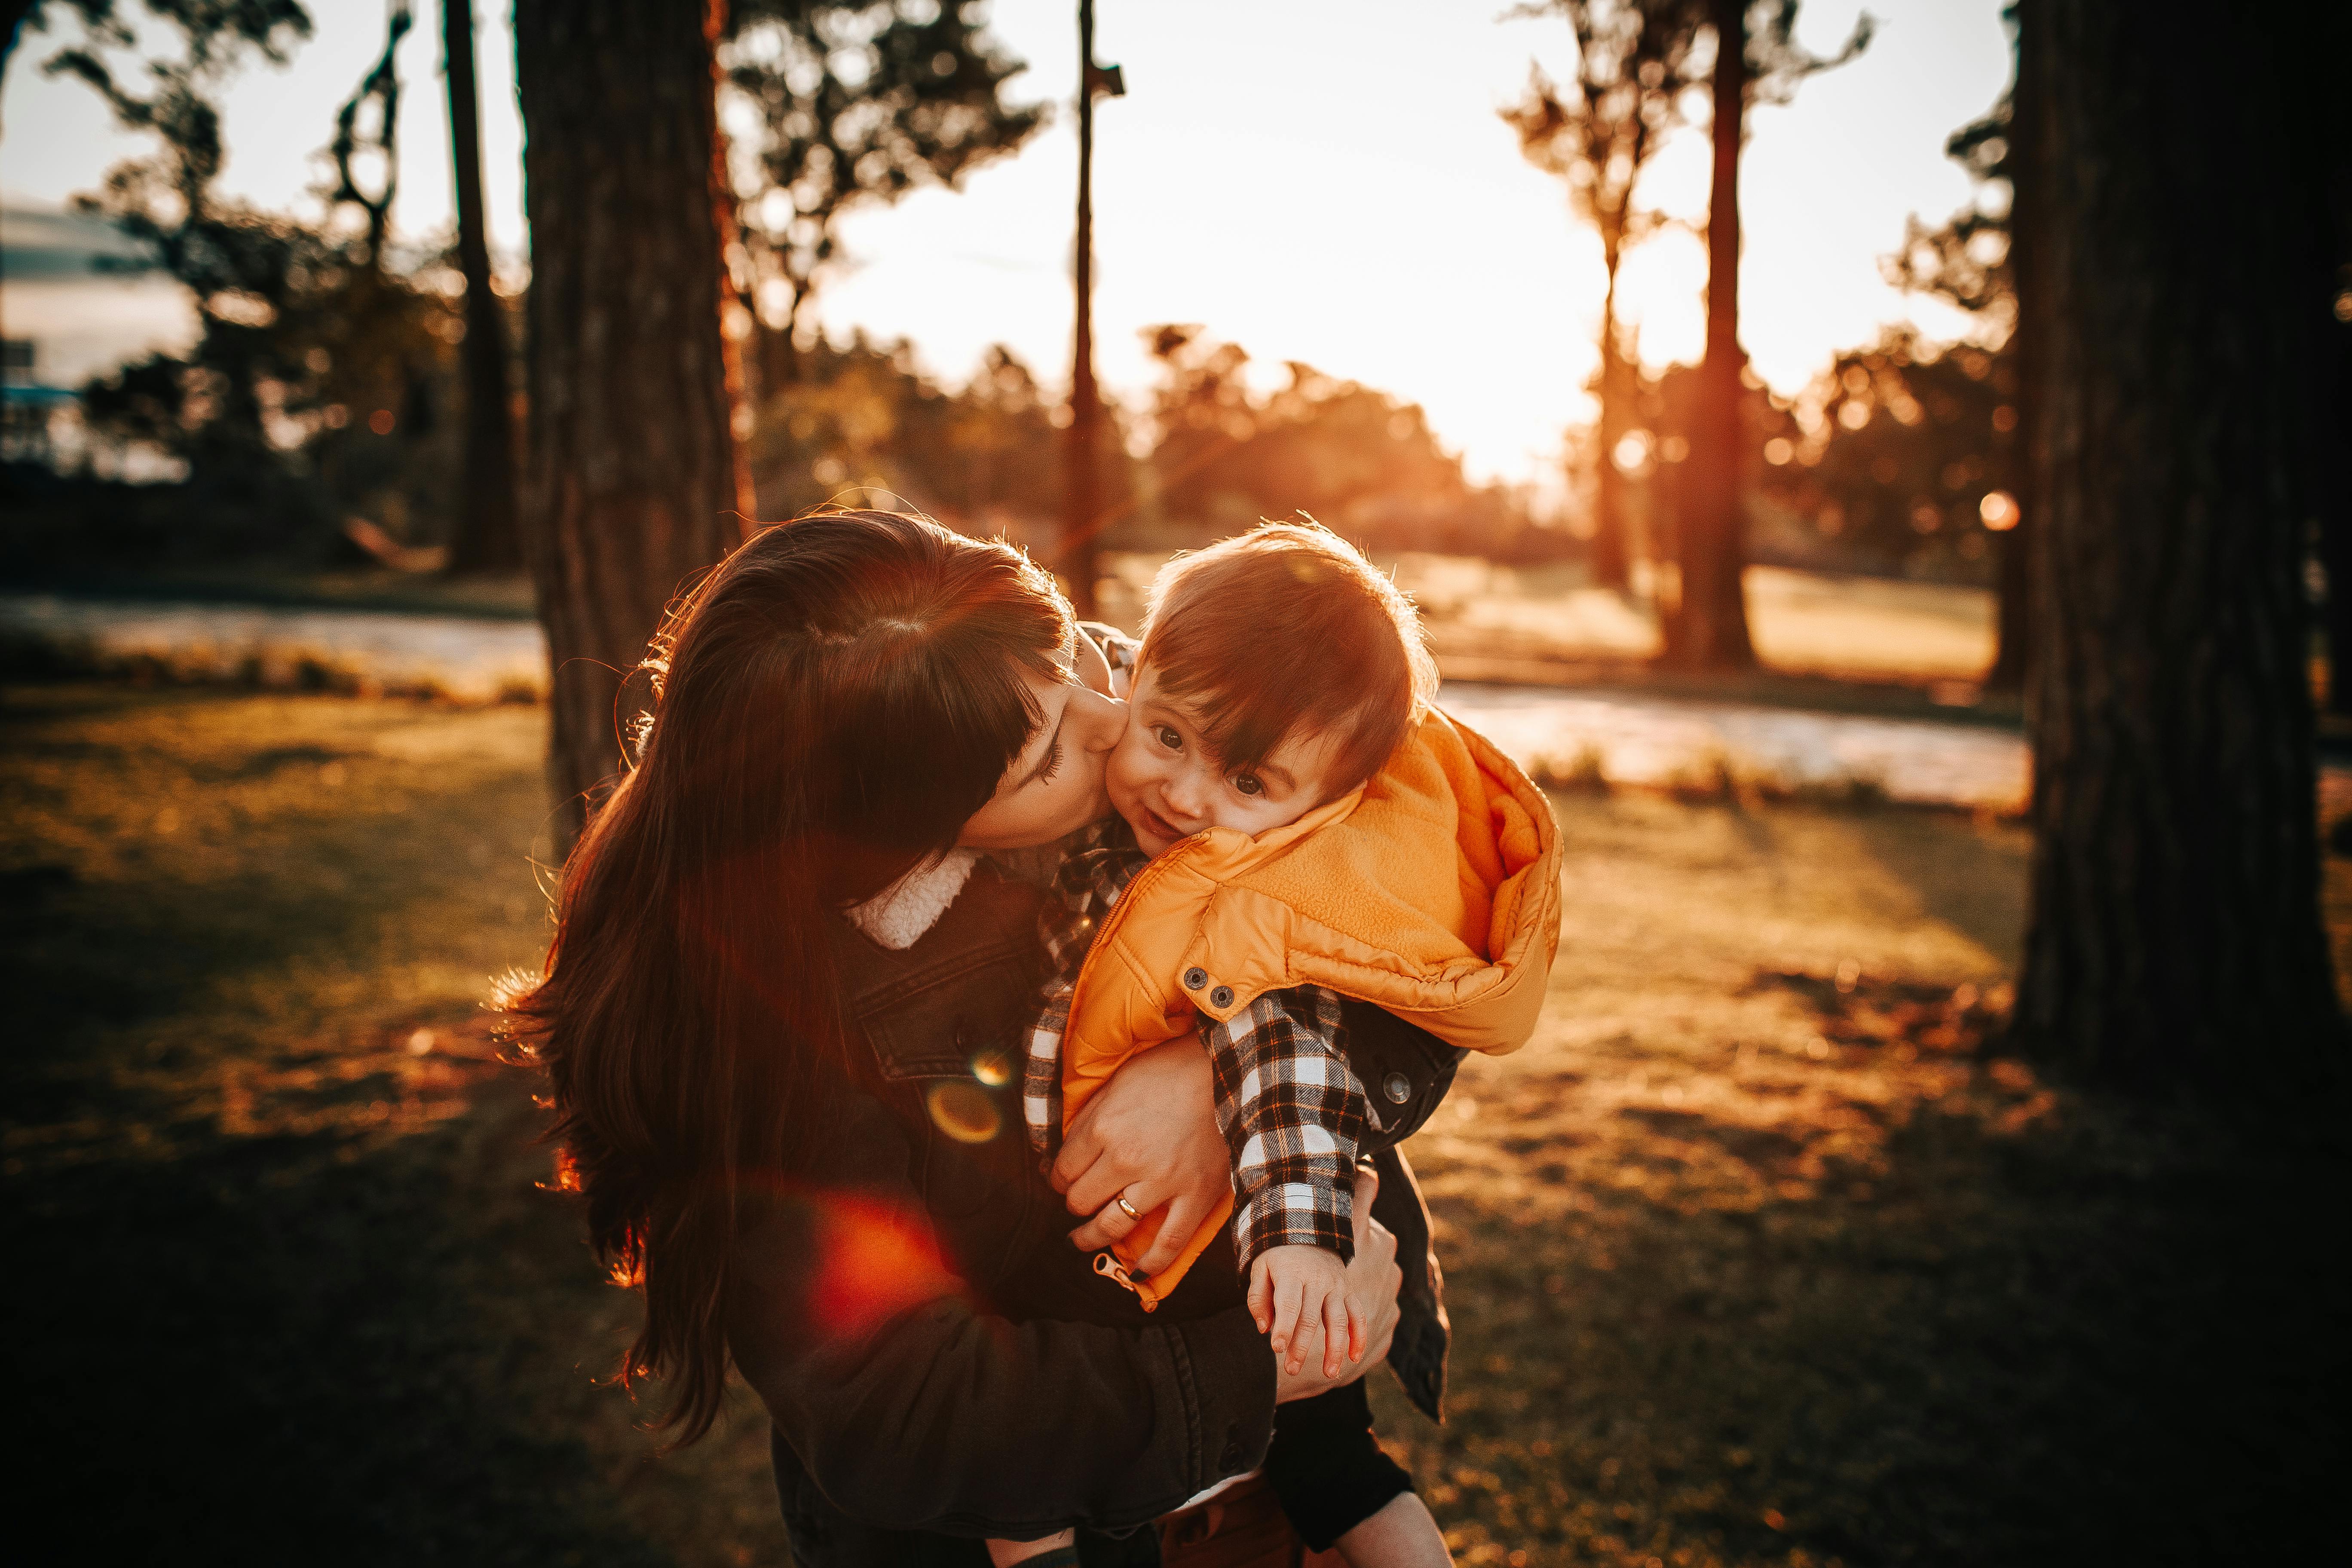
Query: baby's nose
pixel 1185 797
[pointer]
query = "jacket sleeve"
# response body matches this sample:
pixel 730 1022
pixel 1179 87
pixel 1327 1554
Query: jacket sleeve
pixel 1405 1071
pixel 911 1405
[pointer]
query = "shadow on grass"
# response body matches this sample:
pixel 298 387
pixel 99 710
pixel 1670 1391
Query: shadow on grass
pixel 284 1290
pixel 281 1348
pixel 1953 1316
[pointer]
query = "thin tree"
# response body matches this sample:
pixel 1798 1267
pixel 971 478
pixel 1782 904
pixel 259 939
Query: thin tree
pixel 1633 68
pixel 486 538
pixel 856 102
pixel 634 482
pixel 2174 937
pixel 1756 60
pixel 353 140
pixel 1082 509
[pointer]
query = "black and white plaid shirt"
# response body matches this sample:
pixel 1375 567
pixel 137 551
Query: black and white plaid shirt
pixel 1291 1109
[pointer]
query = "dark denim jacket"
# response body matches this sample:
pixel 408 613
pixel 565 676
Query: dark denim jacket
pixel 1030 1392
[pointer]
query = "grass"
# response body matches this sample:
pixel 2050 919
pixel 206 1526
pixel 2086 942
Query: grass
pixel 1756 1258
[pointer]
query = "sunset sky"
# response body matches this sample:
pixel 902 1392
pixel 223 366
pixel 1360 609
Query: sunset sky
pixel 1318 180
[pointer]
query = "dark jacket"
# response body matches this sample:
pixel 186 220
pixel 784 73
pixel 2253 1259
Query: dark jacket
pixel 940 1363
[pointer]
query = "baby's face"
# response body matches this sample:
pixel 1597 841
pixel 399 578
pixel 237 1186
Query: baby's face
pixel 1163 781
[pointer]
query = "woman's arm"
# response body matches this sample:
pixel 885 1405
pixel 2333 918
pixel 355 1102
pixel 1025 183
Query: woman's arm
pixel 909 1405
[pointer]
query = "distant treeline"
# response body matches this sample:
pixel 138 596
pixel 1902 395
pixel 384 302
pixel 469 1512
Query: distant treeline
pixel 1882 466
pixel 344 427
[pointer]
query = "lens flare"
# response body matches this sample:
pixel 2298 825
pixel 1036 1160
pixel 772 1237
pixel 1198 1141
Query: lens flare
pixel 964 1112
pixel 873 1262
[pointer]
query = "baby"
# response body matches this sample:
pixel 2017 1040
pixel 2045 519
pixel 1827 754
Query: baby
pixel 1296 825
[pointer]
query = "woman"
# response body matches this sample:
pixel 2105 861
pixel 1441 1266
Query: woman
pixel 779 1021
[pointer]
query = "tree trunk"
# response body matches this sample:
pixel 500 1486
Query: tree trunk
pixel 487 538
pixel 1081 496
pixel 2323 143
pixel 2174 935
pixel 634 482
pixel 1709 629
pixel 2332 401
pixel 1610 557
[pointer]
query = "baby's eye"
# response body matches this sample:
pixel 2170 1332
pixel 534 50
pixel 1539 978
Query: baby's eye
pixel 1249 783
pixel 1168 737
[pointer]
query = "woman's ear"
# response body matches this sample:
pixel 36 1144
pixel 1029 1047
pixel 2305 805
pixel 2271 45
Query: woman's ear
pixel 1092 669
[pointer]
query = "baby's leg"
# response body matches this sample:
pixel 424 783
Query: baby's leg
pixel 1059 1550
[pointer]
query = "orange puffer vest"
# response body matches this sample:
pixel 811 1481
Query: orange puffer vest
pixel 1431 892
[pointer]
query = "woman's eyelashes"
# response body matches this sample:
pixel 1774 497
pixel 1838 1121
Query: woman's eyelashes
pixel 1052 763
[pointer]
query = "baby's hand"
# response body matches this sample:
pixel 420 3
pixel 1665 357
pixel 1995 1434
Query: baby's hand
pixel 1299 1295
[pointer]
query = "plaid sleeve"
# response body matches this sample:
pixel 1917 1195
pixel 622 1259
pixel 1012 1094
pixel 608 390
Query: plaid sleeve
pixel 1095 869
pixel 1293 1114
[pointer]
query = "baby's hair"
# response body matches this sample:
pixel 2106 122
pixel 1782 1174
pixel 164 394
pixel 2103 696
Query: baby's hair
pixel 1288 630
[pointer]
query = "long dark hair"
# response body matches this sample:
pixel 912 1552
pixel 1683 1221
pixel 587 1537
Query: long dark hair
pixel 831 704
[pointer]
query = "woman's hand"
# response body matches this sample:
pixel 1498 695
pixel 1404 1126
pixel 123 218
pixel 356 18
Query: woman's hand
pixel 1149 1135
pixel 1372 1279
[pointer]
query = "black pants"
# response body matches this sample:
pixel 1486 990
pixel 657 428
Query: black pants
pixel 1326 1468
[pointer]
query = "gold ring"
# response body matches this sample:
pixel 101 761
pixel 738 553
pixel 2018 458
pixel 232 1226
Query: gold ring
pixel 1126 1209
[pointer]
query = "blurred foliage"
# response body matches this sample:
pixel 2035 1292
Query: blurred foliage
pixel 863 415
pixel 1897 446
pixel 1222 455
pixel 315 389
pixel 1210 457
pixel 1904 440
pixel 1965 260
pixel 845 102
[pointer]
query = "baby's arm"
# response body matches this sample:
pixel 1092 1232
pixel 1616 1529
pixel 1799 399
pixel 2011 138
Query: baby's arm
pixel 1293 1115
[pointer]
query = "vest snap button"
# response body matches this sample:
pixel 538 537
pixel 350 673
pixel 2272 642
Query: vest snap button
pixel 1195 978
pixel 1222 996
pixel 1398 1088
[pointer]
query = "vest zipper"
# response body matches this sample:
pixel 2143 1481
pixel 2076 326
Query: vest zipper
pixel 1108 1266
